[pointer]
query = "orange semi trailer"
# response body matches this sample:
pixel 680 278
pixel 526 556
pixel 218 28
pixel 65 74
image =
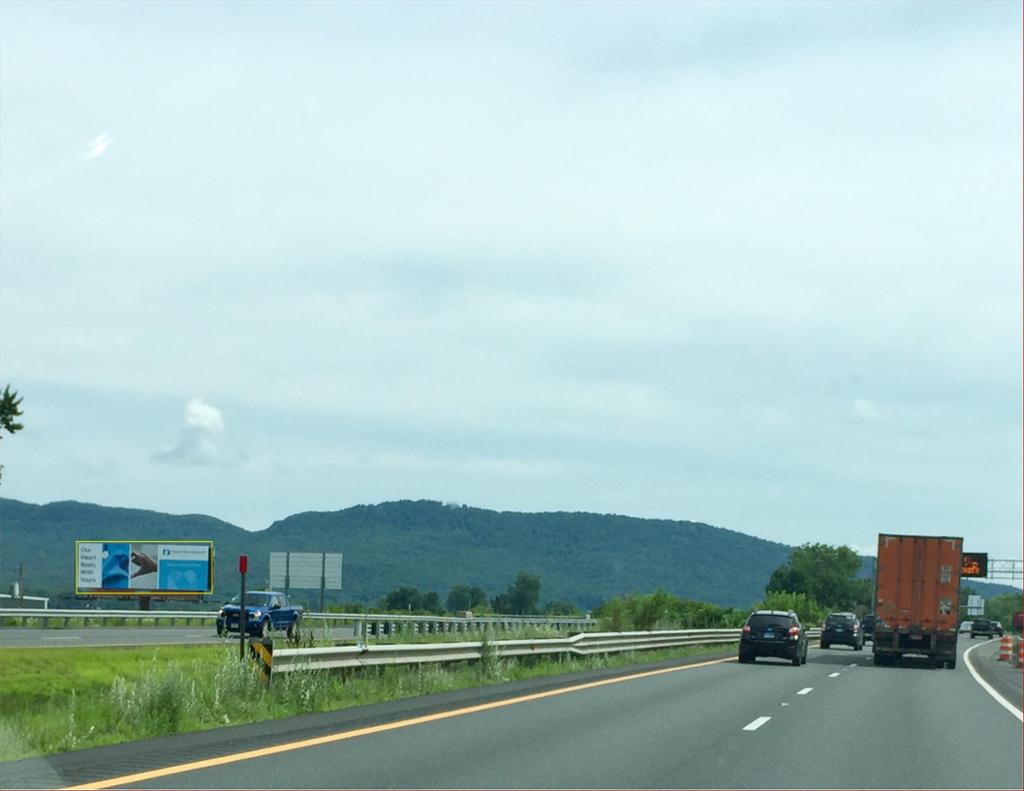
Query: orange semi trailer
pixel 917 592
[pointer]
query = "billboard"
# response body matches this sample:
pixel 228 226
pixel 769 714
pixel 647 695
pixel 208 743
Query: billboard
pixel 305 570
pixel 974 564
pixel 150 568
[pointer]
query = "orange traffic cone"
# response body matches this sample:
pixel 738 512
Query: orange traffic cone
pixel 1006 648
pixel 1020 652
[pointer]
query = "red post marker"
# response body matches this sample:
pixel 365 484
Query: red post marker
pixel 243 613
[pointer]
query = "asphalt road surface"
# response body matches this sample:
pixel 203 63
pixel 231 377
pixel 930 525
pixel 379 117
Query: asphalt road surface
pixel 837 722
pixel 113 636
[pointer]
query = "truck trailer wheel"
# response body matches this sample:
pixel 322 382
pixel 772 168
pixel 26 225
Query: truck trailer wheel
pixel 951 663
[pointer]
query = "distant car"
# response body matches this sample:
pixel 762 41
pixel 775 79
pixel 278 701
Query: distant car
pixel 843 628
pixel 867 627
pixel 965 627
pixel 998 627
pixel 774 633
pixel 982 626
pixel 265 611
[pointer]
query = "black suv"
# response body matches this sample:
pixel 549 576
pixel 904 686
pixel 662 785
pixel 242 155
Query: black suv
pixel 982 626
pixel 773 633
pixel 842 627
pixel 867 627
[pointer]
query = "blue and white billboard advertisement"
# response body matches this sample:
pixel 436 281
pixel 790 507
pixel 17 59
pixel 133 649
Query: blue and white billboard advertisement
pixel 143 567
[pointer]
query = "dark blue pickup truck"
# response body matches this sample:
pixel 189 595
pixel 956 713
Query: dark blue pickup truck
pixel 266 611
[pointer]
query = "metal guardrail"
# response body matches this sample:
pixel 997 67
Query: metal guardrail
pixel 103 616
pixel 289 660
pixel 22 599
pixel 366 623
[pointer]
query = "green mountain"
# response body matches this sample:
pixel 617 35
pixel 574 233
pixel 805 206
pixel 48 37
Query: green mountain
pixel 581 558
pixel 42 538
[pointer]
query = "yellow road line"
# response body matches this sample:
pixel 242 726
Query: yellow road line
pixel 262 752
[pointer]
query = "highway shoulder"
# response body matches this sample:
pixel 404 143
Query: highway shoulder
pixel 98 763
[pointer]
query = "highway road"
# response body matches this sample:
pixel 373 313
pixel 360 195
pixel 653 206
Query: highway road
pixel 837 722
pixel 112 636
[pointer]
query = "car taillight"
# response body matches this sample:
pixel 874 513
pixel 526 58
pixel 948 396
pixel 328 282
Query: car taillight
pixel 794 631
pixel 746 630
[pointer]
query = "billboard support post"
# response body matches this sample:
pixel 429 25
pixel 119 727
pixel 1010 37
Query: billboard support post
pixel 243 615
pixel 323 580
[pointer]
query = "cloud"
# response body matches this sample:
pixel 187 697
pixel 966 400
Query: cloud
pixel 865 409
pixel 201 443
pixel 864 550
pixel 202 416
pixel 98 146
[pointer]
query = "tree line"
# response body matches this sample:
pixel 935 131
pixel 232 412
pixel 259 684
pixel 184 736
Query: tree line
pixel 815 580
pixel 522 597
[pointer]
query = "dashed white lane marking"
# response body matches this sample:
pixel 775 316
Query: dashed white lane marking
pixel 805 690
pixel 753 726
pixel 832 675
pixel 853 665
pixel 65 637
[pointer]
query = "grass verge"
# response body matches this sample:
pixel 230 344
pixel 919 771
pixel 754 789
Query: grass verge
pixel 54 701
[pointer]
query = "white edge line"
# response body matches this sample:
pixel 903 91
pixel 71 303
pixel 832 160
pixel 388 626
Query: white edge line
pixel 988 688
pixel 753 726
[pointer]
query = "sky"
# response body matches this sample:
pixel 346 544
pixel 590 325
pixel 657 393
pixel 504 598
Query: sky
pixel 751 264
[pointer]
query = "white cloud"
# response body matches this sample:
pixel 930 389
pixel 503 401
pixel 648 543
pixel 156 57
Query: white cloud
pixel 98 146
pixel 202 416
pixel 200 443
pixel 864 550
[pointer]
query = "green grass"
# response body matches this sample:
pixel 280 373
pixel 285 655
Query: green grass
pixel 53 701
pixel 36 675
